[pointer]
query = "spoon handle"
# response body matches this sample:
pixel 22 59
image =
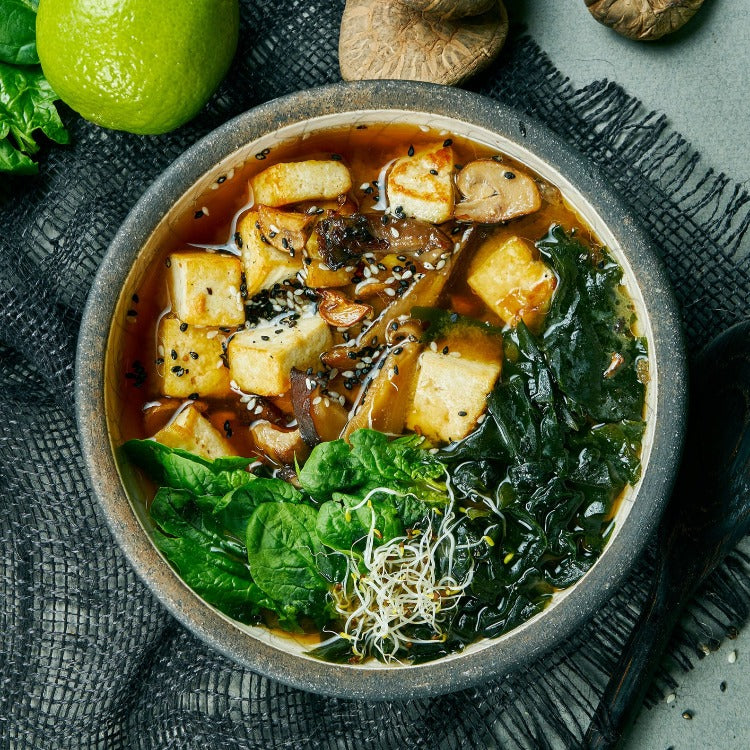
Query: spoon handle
pixel 635 669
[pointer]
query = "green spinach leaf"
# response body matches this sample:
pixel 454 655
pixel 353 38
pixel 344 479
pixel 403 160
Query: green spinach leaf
pixel 26 105
pixel 214 566
pixel 182 470
pixel 18 32
pixel 288 561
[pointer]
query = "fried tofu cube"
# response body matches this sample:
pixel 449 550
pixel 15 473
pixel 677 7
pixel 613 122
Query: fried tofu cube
pixel 260 359
pixel 192 360
pixel 191 431
pixel 511 281
pixel 263 264
pixel 422 184
pixel 205 288
pixel 450 395
pixel 291 182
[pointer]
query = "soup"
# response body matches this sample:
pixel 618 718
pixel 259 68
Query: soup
pixel 389 388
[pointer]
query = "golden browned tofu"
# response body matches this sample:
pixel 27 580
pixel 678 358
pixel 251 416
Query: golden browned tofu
pixel 450 395
pixel 422 184
pixel 205 288
pixel 263 264
pixel 191 431
pixel 192 360
pixel 511 281
pixel 260 359
pixel 291 182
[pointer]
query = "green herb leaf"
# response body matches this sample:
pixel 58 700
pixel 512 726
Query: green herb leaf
pixel 182 470
pixel 18 32
pixel 26 105
pixel 288 561
pixel 214 566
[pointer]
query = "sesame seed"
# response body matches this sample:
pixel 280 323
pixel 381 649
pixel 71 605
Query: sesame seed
pixel 687 715
pixel 316 400
pixel 183 327
pixel 462 413
pixel 455 354
pixel 411 151
pixel 732 657
pixel 433 346
pixel 510 176
pixel 433 171
pixel 258 409
pixel 447 142
pixel 390 292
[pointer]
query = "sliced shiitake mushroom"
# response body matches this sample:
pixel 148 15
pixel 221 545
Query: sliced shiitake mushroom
pixel 339 311
pixel 343 240
pixel 643 20
pixel 287 231
pixel 494 192
pixel 319 418
pixel 386 395
pixel 279 444
pixel 448 10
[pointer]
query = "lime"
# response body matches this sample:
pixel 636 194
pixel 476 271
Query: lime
pixel 136 65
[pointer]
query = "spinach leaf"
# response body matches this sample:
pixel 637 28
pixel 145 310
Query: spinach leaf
pixel 331 468
pixel 26 105
pixel 343 523
pixel 234 509
pixel 18 32
pixel 288 561
pixel 214 566
pixel 182 470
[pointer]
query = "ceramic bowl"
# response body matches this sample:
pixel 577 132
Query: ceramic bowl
pixel 122 496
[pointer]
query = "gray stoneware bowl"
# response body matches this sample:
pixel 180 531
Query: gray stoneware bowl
pixel 179 188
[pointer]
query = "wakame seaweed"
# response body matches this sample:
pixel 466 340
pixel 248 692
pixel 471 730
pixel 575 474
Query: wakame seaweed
pixel 528 496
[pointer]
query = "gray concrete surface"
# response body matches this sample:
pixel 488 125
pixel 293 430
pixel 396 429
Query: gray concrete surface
pixel 700 78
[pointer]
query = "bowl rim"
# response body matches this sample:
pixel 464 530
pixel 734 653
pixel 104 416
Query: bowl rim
pixel 519 646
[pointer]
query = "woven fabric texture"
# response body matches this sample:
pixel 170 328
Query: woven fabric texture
pixel 88 657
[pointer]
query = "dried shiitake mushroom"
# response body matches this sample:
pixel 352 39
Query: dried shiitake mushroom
pixel 643 20
pixel 409 39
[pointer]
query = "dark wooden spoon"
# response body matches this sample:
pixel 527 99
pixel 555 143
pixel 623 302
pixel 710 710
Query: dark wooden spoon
pixel 708 514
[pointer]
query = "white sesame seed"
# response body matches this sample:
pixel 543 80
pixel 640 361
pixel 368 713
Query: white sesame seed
pixel 308 384
pixel 391 279
pixel 732 657
pixel 374 269
pixel 364 186
pixel 219 364
pixel 316 400
pixel 211 334
pixel 390 292
pixel 333 373
pixel 440 264
pixel 429 266
pixel 395 232
pixel 245 398
pixel 258 409
pixel 327 401
pixel 348 373
pixel 205 210
pixel 367 272
pixel 341 400
pixel 481 418
pixel 160 350
pixel 407 275
pixel 349 269
pixel 671 698
pixel 299 292
pixel 433 346
pixel 455 354
pixel 274 228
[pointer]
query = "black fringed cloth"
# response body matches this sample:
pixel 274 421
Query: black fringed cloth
pixel 88 658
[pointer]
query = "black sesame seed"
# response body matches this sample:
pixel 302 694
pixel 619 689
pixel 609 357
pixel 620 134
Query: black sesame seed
pixel 178 370
pixel 433 171
pixel 193 355
pixel 445 350
pixel 398 350
pixel 398 269
pixel 383 220
pixel 453 318
pixel 238 239
pixel 223 329
pixel 368 190
pixel 447 142
pixel 395 369
pixel 173 354
pixel 159 360
pixel 394 324
pixel 222 179
pixel 410 151
pixel 723 687
pixel 132 313
pixel 198 214
pixel 266 338
pixel 308 261
pixel 291 252
pixel 336 157
pixel 361 127
pixel 462 413
pixel 402 258
pixel 193 396
pixel 209 290
pixel 168 262
pixel 135 299
pixel 183 327
pixel 458 167
pixel 284 243
pixel 497 157
pixel 510 175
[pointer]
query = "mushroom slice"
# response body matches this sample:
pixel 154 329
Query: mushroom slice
pixel 287 231
pixel 339 311
pixel 386 396
pixel 319 417
pixel 494 192
pixel 280 445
